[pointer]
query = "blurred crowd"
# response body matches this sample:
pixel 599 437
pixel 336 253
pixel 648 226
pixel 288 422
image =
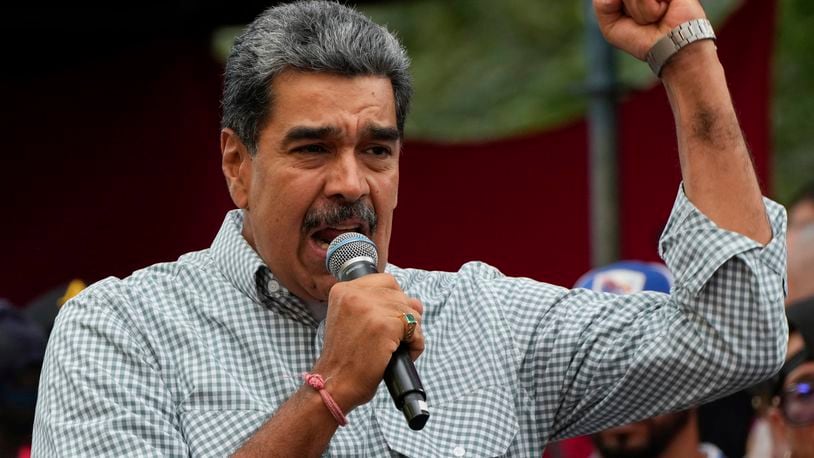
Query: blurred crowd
pixel 774 419
pixel 24 333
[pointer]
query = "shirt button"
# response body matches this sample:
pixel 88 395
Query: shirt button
pixel 459 451
pixel 273 286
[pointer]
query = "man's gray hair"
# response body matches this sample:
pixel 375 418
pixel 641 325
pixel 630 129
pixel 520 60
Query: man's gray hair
pixel 311 36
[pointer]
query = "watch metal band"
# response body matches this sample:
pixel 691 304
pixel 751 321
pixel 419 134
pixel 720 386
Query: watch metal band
pixel 686 33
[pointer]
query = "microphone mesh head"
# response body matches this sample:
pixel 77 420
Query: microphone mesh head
pixel 348 246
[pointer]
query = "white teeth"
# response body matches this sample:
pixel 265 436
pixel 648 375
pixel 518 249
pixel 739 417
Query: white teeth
pixel 323 245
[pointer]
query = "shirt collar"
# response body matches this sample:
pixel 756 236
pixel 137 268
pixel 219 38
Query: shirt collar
pixel 248 273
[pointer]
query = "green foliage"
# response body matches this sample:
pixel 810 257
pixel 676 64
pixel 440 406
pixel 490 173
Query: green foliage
pixel 793 107
pixel 485 69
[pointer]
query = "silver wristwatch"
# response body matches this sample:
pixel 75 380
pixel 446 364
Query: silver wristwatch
pixel 684 34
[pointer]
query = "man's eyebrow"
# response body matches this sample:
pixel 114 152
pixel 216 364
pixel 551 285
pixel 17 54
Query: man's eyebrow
pixel 369 131
pixel 309 133
pixel 379 133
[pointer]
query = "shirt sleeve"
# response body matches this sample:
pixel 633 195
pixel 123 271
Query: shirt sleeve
pixel 597 359
pixel 100 392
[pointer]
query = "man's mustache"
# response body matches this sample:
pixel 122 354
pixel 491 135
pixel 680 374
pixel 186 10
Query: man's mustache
pixel 336 213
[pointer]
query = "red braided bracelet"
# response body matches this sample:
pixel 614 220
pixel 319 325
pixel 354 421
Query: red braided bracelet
pixel 316 382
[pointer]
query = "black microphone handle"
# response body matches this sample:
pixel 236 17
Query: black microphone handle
pixel 406 389
pixel 400 375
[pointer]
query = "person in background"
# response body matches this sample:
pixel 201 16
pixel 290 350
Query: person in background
pixel 790 406
pixel 801 245
pixel 22 346
pixel 765 432
pixel 791 412
pixel 800 264
pixel 23 335
pixel 801 208
pixel 673 435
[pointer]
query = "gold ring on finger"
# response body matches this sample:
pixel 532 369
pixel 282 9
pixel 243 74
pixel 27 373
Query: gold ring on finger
pixel 409 325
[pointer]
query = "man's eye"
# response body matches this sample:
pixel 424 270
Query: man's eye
pixel 803 391
pixel 310 149
pixel 379 151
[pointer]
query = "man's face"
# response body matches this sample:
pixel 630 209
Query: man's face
pixel 327 161
pixel 647 438
pixel 796 438
pixel 801 214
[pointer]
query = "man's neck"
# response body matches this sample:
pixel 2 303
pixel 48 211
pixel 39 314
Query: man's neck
pixel 317 309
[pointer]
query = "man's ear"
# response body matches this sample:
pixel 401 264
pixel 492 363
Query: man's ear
pixel 236 163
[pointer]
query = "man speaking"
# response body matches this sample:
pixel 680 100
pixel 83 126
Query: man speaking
pixel 251 347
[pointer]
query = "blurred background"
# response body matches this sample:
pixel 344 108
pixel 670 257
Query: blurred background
pixel 111 120
pixel 111 162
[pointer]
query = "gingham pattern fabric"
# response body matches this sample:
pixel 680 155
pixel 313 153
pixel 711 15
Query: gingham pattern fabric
pixel 190 358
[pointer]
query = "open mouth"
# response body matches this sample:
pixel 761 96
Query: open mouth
pixel 324 236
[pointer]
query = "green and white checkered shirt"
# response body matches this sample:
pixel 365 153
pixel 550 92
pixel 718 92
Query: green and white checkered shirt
pixel 190 358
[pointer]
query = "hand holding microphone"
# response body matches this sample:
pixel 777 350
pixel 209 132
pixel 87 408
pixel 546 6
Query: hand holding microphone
pixel 367 332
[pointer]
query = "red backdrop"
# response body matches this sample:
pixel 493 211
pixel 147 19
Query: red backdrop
pixel 522 204
pixel 112 166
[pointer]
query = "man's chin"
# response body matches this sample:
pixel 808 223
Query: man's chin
pixel 322 287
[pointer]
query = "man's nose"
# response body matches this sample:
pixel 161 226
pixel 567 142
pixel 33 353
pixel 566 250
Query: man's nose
pixel 347 178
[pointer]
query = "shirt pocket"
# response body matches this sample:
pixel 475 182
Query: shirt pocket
pixel 219 432
pixel 481 423
pixel 217 416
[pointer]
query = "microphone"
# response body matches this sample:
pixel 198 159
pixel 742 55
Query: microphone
pixel 352 255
